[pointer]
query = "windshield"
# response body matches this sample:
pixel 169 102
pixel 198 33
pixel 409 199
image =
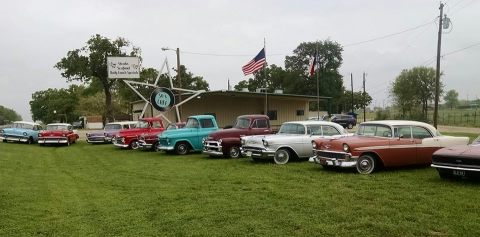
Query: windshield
pixel 142 124
pixel 23 125
pixel 57 127
pixel 192 123
pixel 242 123
pixel 292 128
pixel 113 126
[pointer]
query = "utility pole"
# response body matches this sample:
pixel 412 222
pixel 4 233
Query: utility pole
pixel 351 84
pixel 179 79
pixel 437 77
pixel 364 104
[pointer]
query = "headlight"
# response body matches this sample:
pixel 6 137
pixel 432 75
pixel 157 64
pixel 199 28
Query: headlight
pixel 105 134
pixel 314 145
pixel 24 134
pixel 204 139
pixel 87 134
pixel 141 138
pixel 64 135
pixel 123 140
pixel 346 148
pixel 219 140
pixel 39 135
pixel 265 143
pixel 242 141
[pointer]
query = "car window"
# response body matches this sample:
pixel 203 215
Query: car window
pixel 374 130
pixel 330 131
pixel 242 123
pixel 206 123
pixel 192 123
pixel 420 132
pixel 314 129
pixel 292 128
pixel 260 123
pixel 156 124
pixel 126 126
pixel 403 132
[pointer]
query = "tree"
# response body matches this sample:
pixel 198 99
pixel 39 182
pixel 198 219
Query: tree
pixel 413 89
pixel 451 99
pixel 8 115
pixel 360 100
pixel 330 59
pixel 89 65
pixel 55 105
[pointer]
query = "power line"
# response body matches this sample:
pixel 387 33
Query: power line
pixel 432 59
pixel 389 35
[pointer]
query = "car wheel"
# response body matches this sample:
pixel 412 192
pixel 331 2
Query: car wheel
pixel 155 147
pixel 350 126
pixel 366 164
pixel 30 140
pixel 5 141
pixel 181 148
pixel 133 145
pixel 234 152
pixel 282 156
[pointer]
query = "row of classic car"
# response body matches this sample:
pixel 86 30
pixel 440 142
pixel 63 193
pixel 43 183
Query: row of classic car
pixel 28 132
pixel 376 144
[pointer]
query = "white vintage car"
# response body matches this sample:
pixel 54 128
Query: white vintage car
pixel 293 140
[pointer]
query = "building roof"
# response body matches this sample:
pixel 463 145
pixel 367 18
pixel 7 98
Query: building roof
pixel 26 122
pixel 254 94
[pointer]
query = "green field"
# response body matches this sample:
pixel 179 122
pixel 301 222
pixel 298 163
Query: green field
pixel 100 190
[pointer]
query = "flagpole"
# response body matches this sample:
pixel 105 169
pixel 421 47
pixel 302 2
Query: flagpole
pixel 265 73
pixel 318 87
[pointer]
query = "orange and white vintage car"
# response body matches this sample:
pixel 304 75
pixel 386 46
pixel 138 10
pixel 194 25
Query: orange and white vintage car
pixel 387 143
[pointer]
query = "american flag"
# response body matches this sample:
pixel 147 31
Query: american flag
pixel 255 64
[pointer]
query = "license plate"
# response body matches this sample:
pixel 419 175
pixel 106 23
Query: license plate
pixel 459 172
pixel 249 153
pixel 323 161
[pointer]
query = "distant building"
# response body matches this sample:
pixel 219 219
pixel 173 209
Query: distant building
pixel 227 105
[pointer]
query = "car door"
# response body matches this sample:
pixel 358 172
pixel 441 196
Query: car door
pixel 402 148
pixel 207 126
pixel 424 149
pixel 259 126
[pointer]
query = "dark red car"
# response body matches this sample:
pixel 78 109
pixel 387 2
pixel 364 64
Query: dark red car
pixel 128 138
pixel 458 161
pixel 57 133
pixel 227 142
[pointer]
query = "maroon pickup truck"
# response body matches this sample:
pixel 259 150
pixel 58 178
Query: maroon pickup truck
pixel 226 142
pixel 128 138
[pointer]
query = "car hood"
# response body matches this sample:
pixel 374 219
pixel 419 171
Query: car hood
pixel 229 132
pixel 471 151
pixel 54 133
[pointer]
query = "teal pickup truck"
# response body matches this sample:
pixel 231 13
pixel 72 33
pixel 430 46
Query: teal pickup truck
pixel 190 138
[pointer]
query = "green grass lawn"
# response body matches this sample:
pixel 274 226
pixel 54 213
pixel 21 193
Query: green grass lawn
pixel 104 191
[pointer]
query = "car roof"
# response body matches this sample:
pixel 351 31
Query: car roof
pixel 201 116
pixel 400 123
pixel 59 124
pixel 254 116
pixel 123 122
pixel 26 122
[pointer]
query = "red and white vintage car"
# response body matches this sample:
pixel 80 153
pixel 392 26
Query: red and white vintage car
pixel 57 133
pixel 387 143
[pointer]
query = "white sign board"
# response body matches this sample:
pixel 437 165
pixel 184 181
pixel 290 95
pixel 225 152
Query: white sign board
pixel 123 67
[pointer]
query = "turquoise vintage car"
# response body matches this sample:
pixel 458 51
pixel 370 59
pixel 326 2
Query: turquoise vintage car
pixel 21 131
pixel 189 138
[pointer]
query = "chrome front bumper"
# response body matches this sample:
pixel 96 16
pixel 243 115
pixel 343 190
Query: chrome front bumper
pixel 212 148
pixel 166 148
pixel 50 140
pixel 99 139
pixel 338 159
pixel 122 145
pixel 257 153
pixel 14 139
pixel 455 168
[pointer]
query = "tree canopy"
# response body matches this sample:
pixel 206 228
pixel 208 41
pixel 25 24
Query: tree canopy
pixel 413 89
pixel 451 99
pixel 89 64
pixel 55 104
pixel 7 115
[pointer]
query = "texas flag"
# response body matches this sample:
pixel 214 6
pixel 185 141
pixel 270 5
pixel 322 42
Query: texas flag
pixel 313 65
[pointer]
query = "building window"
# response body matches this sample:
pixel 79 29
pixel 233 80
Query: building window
pixel 272 114
pixel 300 112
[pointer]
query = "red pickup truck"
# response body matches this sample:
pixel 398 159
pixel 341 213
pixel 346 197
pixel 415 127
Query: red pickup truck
pixel 128 138
pixel 226 142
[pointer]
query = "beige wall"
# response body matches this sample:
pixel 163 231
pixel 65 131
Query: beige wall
pixel 227 107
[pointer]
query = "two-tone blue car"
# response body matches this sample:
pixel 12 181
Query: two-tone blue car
pixel 189 138
pixel 21 131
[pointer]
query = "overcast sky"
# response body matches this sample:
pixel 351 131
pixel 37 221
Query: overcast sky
pixel 37 34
